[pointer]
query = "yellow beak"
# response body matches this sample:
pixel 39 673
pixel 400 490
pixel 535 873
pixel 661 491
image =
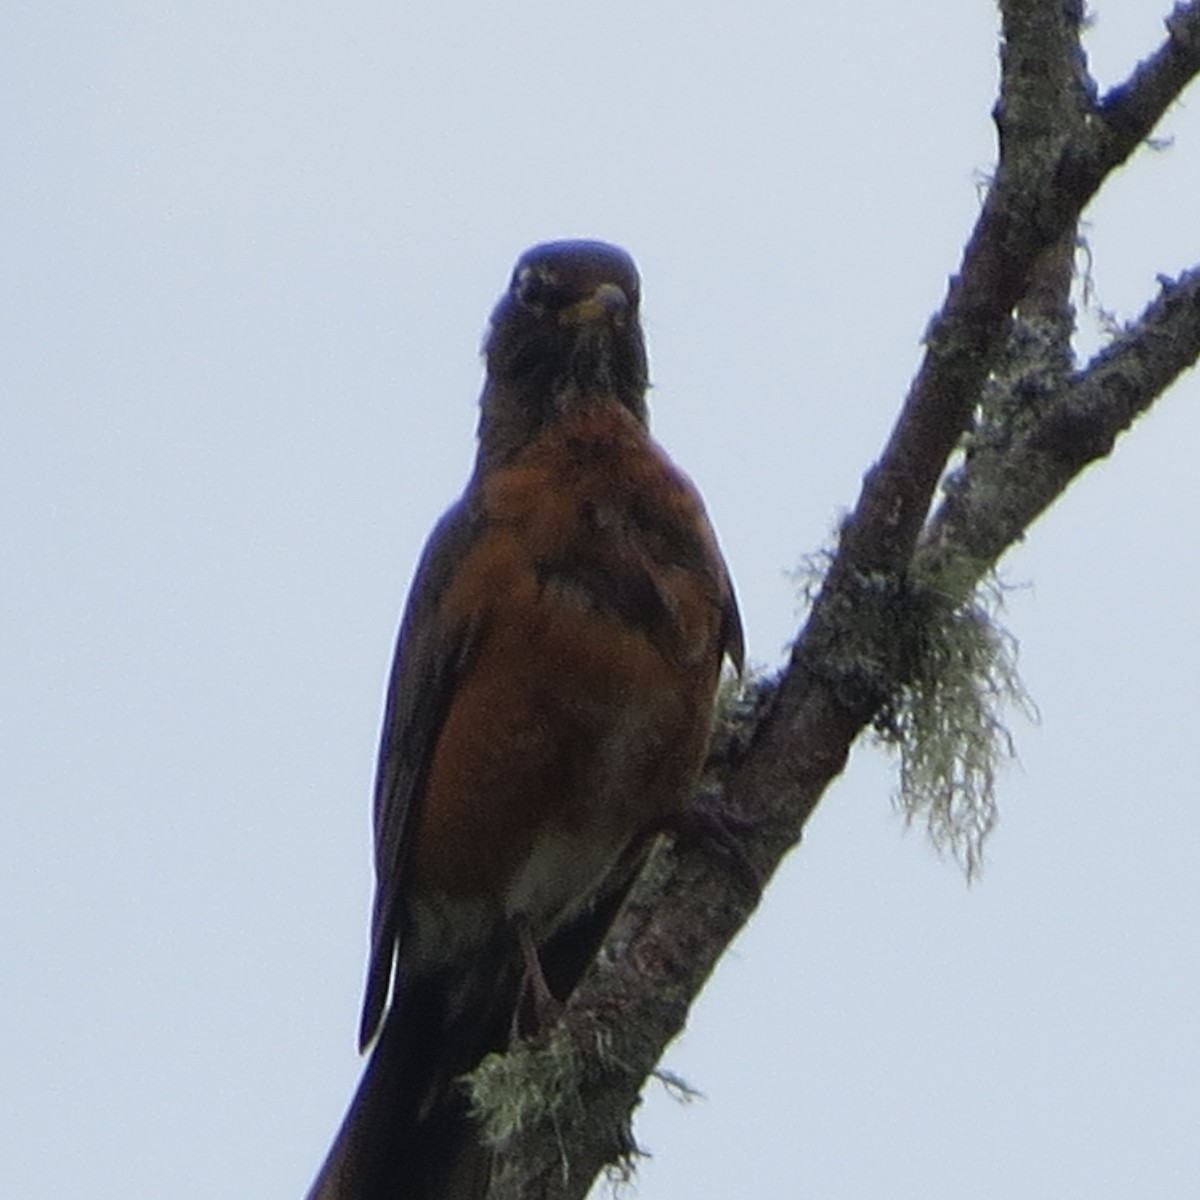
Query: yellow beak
pixel 607 302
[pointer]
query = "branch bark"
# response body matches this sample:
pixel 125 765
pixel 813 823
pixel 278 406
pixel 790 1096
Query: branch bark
pixel 1003 393
pixel 1017 469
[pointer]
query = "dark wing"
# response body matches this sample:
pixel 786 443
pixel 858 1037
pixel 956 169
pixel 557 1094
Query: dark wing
pixel 425 672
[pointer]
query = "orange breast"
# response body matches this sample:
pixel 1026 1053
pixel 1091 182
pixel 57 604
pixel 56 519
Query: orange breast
pixel 595 599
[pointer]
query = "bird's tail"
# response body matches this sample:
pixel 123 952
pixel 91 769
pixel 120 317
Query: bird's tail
pixel 408 1133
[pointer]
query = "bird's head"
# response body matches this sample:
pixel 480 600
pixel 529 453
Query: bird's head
pixel 566 330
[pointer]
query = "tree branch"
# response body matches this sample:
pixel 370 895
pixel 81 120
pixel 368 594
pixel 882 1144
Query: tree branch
pixel 1038 118
pixel 1018 468
pixel 1130 110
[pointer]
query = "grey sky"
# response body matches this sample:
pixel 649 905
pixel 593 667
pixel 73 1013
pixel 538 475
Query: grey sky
pixel 250 249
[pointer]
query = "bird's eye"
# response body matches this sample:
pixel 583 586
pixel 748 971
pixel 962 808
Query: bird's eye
pixel 537 288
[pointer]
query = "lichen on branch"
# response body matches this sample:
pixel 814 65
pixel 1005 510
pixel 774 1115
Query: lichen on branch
pixel 947 722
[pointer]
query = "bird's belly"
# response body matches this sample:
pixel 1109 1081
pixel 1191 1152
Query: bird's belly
pixel 559 877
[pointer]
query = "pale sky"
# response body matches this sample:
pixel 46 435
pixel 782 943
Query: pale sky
pixel 249 252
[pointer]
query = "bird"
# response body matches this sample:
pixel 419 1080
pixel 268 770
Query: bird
pixel 547 714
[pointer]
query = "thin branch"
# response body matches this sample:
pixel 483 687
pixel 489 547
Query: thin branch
pixel 1022 215
pixel 1130 110
pixel 1007 484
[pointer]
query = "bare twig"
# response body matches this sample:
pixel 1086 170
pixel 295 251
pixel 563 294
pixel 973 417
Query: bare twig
pixel 1005 486
pixel 1130 110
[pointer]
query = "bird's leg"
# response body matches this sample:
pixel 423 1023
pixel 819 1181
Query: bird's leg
pixel 547 1008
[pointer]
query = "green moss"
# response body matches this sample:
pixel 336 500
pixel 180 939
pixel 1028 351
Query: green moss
pixel 946 723
pixel 538 1081
pixel 531 1084
pixel 538 1085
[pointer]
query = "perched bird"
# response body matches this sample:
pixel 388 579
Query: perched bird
pixel 548 711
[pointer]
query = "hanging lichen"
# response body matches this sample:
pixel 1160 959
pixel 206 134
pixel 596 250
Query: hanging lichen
pixel 946 722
